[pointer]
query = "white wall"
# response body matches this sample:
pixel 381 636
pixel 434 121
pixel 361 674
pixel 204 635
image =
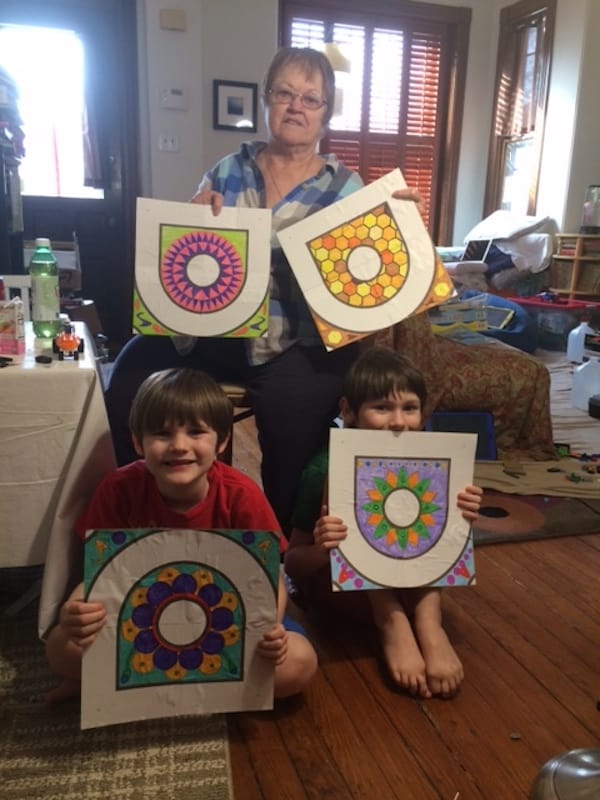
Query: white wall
pixel 481 73
pixel 224 39
pixel 563 101
pixel 170 60
pixel 240 38
pixel 584 164
pixel 235 39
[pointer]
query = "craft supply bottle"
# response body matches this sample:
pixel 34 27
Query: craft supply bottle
pixel 45 304
pixel 586 382
pixel 576 342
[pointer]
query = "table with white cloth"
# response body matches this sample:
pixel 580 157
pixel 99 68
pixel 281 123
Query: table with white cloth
pixel 55 447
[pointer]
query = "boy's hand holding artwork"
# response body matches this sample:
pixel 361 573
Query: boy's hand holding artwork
pixel 329 531
pixel 81 621
pixel 274 644
pixel 469 502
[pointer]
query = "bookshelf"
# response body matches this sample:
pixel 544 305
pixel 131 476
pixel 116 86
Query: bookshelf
pixel 575 267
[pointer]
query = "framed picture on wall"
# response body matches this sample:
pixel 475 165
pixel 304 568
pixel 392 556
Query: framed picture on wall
pixel 234 106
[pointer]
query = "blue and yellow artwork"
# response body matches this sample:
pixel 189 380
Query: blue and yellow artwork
pixel 185 611
pixel 199 274
pixel 397 492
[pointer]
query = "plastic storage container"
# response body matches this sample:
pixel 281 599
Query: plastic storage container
pixel 556 319
pixel 586 383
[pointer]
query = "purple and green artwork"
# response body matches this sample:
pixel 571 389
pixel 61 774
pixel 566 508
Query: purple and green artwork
pixel 397 492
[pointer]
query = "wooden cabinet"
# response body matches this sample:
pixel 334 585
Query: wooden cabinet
pixel 575 267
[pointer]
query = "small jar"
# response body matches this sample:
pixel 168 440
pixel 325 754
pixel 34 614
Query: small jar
pixel 590 219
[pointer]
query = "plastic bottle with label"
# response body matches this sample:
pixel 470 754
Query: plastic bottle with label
pixel 45 303
pixel 586 383
pixel 576 342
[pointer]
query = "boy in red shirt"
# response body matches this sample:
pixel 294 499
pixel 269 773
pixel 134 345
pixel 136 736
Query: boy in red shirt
pixel 180 422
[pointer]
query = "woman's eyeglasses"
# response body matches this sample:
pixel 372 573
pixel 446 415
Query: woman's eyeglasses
pixel 286 97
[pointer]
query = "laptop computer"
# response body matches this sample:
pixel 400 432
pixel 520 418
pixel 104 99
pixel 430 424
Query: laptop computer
pixel 476 250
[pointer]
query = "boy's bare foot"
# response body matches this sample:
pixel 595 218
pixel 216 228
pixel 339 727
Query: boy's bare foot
pixel 66 689
pixel 443 667
pixel 402 655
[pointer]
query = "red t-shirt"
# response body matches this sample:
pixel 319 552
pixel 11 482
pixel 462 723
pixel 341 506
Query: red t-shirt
pixel 128 498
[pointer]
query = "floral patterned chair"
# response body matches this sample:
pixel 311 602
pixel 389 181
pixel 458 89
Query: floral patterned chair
pixel 511 385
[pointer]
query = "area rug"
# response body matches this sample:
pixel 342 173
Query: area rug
pixel 44 754
pixel 570 425
pixel 537 500
pixel 510 518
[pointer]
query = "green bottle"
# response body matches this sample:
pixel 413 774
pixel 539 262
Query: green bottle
pixel 45 304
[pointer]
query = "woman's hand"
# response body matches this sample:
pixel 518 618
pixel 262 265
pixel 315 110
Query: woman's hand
pixel 469 502
pixel 81 621
pixel 274 644
pixel 411 194
pixel 329 531
pixel 209 198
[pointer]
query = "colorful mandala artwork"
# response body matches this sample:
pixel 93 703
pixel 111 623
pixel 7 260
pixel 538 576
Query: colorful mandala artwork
pixel 401 505
pixel 145 323
pixel 397 495
pixel 202 271
pixel 365 263
pixel 180 622
pixel 345 577
pixel 196 277
pixel 185 612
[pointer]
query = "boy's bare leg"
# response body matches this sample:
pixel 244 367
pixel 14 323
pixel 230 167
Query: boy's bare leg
pixel 400 648
pixel 298 667
pixel 64 658
pixel 443 667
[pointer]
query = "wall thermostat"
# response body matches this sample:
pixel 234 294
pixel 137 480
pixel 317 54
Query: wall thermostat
pixel 173 99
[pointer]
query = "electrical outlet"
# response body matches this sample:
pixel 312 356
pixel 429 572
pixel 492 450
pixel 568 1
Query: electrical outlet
pixel 168 142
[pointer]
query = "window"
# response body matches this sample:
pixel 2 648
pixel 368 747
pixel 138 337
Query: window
pixel 401 102
pixel 51 106
pixel 524 54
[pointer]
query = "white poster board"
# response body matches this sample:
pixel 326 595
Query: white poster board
pixel 365 262
pixel 397 492
pixel 186 610
pixel 198 274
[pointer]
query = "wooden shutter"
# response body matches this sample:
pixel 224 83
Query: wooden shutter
pixel 404 91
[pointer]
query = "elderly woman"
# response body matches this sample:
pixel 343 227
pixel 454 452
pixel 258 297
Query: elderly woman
pixel 293 382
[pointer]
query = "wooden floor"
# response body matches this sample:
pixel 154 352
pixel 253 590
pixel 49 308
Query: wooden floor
pixel 529 637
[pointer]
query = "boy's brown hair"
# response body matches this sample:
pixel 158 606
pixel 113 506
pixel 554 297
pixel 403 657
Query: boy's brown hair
pixel 183 397
pixel 379 372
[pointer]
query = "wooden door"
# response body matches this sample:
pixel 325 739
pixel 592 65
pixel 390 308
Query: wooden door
pixel 105 227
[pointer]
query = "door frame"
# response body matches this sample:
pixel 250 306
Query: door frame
pixel 111 26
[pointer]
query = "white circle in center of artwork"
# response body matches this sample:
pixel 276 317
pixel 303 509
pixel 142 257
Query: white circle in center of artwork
pixel 182 622
pixel 202 270
pixel 402 508
pixel 364 263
